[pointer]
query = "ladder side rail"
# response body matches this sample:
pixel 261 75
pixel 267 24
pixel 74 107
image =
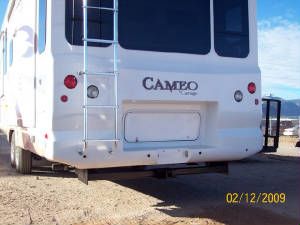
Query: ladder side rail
pixel 267 125
pixel 85 69
pixel 115 61
pixel 276 140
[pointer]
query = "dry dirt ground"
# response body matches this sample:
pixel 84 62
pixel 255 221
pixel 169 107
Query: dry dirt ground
pixel 189 200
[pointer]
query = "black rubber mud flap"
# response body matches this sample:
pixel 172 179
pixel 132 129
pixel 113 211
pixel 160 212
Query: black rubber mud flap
pixel 83 175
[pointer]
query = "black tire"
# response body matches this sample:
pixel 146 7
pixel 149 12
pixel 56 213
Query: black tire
pixel 13 151
pixel 298 144
pixel 23 161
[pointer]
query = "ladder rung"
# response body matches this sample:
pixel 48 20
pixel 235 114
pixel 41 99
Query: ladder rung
pixel 101 8
pixel 107 74
pixel 102 106
pixel 100 41
pixel 104 140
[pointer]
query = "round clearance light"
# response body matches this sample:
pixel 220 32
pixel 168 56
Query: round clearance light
pixel 252 88
pixel 238 96
pixel 70 81
pixel 92 91
pixel 64 98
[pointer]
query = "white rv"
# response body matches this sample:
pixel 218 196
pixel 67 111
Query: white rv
pixel 107 83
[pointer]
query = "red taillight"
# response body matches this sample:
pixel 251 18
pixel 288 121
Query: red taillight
pixel 252 88
pixel 70 81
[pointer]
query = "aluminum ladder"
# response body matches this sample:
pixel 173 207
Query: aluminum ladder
pixel 86 73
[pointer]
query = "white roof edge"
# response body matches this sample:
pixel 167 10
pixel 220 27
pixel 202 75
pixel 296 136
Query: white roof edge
pixel 7 13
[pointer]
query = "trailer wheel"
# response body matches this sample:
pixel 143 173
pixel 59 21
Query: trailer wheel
pixel 13 151
pixel 23 160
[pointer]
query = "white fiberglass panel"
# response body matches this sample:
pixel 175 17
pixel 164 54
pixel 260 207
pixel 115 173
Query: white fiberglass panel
pixel 162 126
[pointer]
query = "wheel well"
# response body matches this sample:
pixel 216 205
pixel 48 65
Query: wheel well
pixel 10 135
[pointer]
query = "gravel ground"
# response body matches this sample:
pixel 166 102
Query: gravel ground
pixel 199 199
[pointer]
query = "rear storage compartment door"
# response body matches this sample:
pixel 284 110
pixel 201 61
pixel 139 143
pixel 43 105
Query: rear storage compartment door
pixel 162 126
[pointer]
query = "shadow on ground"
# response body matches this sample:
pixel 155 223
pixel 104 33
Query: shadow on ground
pixel 204 196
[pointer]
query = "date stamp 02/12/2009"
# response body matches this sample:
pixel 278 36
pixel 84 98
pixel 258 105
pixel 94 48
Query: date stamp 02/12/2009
pixel 255 198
